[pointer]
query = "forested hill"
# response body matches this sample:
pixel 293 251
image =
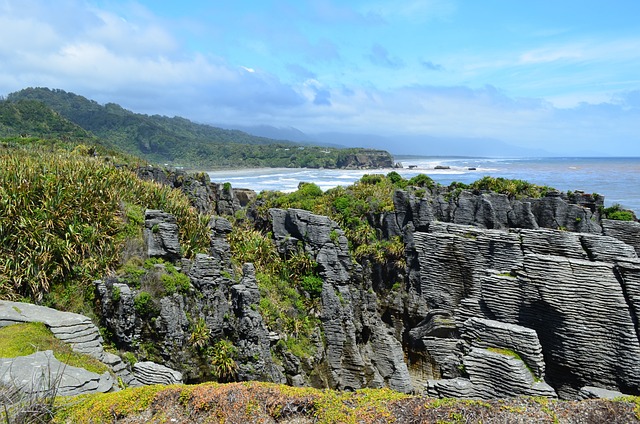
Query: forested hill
pixel 178 141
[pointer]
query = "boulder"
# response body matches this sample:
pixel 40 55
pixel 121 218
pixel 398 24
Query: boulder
pixel 74 329
pixel 491 375
pixel 45 375
pixel 148 373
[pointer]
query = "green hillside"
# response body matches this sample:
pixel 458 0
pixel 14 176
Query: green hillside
pixel 180 142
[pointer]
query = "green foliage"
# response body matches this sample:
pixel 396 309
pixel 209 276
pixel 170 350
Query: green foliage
pixel 143 304
pixel 200 334
pixel 616 212
pixel 175 282
pixel 282 304
pixel 223 361
pixel 25 339
pixel 64 220
pixel 421 180
pixel 115 294
pixel 180 142
pixel 512 188
pixel 37 120
pixel 312 284
pixel 396 179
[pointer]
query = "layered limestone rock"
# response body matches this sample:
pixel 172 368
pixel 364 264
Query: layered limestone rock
pixel 162 328
pixel 45 375
pixel 577 291
pixel 361 350
pixel 491 375
pixel 161 235
pixel 252 335
pixel 148 373
pixel 626 231
pixel 74 329
pixel 496 211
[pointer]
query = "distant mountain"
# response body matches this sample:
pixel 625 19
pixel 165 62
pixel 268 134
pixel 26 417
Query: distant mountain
pixel 435 146
pixel 178 141
pixel 402 144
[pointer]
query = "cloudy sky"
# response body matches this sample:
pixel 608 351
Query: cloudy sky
pixel 563 76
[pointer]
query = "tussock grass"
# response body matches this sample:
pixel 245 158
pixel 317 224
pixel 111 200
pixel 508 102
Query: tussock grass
pixel 64 222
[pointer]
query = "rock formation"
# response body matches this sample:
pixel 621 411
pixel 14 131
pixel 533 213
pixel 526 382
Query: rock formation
pixel 500 297
pixel 42 373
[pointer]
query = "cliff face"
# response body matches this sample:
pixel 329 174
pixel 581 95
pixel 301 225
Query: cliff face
pixel 499 297
pixel 366 159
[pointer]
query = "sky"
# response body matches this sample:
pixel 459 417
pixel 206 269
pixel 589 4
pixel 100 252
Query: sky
pixel 562 76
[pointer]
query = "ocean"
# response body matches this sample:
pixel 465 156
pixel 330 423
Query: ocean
pixel 618 179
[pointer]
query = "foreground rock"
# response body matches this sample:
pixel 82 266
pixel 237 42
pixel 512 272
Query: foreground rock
pixel 43 369
pixel 41 373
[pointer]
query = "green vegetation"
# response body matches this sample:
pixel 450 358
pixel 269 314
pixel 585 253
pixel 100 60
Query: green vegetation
pixel 176 141
pixel 26 339
pixel 200 334
pixel 223 361
pixel 267 402
pixel 282 286
pixel 512 188
pixel 66 218
pixel 616 212
pixel 354 208
pixel 34 118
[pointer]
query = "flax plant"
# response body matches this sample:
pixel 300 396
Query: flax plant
pixel 62 222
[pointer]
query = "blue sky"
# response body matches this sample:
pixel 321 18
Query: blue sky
pixel 563 76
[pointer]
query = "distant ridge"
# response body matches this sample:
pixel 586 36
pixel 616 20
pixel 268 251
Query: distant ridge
pixel 180 142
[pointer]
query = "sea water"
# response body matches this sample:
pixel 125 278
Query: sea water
pixel 618 179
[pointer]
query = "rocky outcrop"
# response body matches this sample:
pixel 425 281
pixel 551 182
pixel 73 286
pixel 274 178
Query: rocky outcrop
pixel 161 235
pixel 487 258
pixel 254 355
pixel 74 329
pixel 148 373
pixel 196 186
pixel 500 297
pixel 180 329
pixel 45 375
pixel 360 349
pixel 365 159
pixel 206 196
pixel 493 211
pixel 625 231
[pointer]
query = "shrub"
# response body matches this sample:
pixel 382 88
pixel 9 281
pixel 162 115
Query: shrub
pixel 616 212
pixel 223 361
pixel 421 180
pixel 200 334
pixel 143 304
pixel 312 284
pixel 175 282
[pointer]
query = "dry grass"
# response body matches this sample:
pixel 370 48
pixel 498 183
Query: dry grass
pixel 254 402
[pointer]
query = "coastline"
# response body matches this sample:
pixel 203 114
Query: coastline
pixel 615 178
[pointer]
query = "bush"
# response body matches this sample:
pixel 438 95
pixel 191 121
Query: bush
pixel 312 284
pixel 143 304
pixel 175 282
pixel 223 361
pixel 616 212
